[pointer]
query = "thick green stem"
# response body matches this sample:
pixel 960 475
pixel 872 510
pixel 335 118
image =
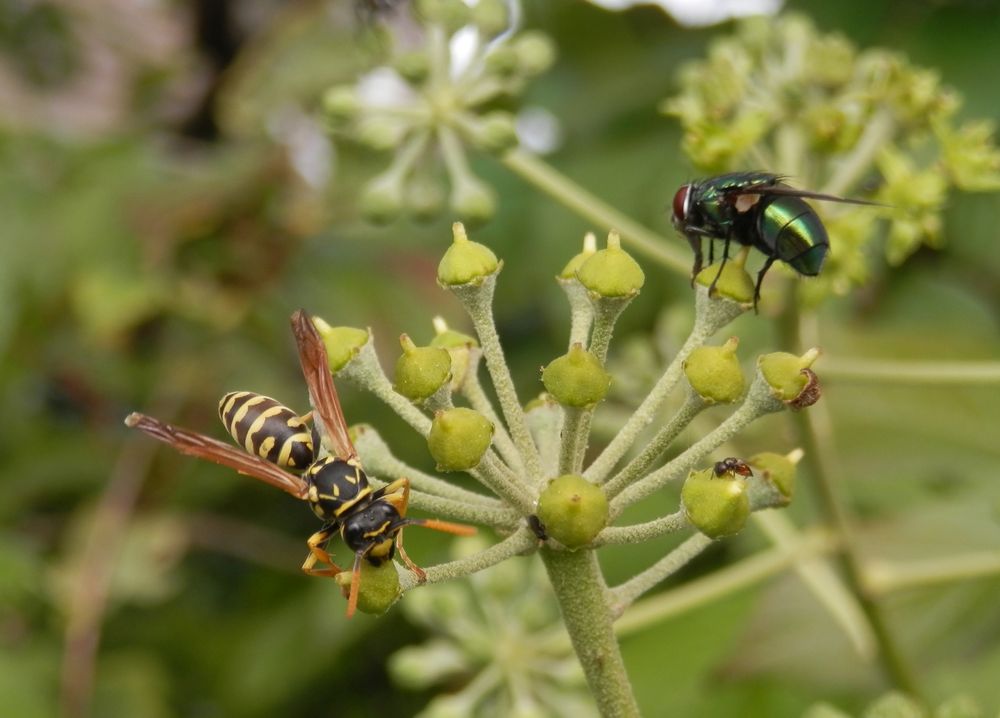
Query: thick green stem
pixel 562 189
pixel 896 371
pixel 894 664
pixel 581 592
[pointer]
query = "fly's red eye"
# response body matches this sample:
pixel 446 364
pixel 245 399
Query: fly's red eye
pixel 680 202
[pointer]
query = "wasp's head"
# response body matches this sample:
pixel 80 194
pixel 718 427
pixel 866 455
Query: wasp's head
pixel 372 530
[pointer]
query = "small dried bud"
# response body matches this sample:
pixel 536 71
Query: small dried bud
pixel 342 343
pixel 715 373
pixel 421 371
pixel 466 262
pixel 612 272
pixel 577 378
pixel 573 510
pixel 790 378
pixel 715 505
pixel 458 439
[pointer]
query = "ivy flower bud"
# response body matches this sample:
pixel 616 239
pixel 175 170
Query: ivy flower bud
pixel 734 282
pixel 577 378
pixel 380 132
pixel 378 588
pixel 342 343
pixel 414 66
pixel 457 346
pixel 341 104
pixel 466 262
pixel 573 510
pixel 494 132
pixel 790 378
pixel 715 505
pixel 715 373
pixel 502 60
pixel 424 198
pixel 382 198
pixel 472 200
pixel 491 17
pixel 573 266
pixel 458 438
pixel 452 14
pixel 421 371
pixel 612 272
pixel 535 52
pixel 778 469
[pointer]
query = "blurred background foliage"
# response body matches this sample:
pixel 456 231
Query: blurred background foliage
pixel 169 198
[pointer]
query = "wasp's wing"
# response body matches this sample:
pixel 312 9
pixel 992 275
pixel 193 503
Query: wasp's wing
pixel 322 391
pixel 786 191
pixel 205 447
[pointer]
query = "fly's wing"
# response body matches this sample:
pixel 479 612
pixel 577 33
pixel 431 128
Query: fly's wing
pixel 322 391
pixel 209 449
pixel 786 191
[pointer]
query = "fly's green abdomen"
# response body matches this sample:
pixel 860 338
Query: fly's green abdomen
pixel 790 230
pixel 268 429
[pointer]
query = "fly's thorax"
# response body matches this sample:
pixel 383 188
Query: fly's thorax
pixel 335 487
pixel 371 528
pixel 268 429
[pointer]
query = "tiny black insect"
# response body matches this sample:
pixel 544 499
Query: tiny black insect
pixel 754 209
pixel 732 465
pixel 537 527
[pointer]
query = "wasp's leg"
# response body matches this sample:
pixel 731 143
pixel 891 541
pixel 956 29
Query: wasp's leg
pixel 317 552
pixel 417 571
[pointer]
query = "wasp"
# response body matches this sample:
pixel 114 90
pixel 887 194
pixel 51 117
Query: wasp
pixel 732 466
pixel 754 209
pixel 279 449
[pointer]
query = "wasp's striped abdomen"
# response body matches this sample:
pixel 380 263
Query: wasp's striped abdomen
pixel 268 429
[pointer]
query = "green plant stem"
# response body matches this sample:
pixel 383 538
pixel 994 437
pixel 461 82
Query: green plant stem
pixel 378 460
pixel 472 390
pixel 711 315
pixel 878 131
pixel 580 589
pixel 546 178
pixel 748 571
pixel 640 533
pixel 881 371
pixel 759 401
pixel 573 441
pixel 478 302
pixel 657 445
pixel 520 542
pixel 889 576
pixel 439 506
pixel 625 595
pixel 581 311
pixel 823 581
pixel 891 659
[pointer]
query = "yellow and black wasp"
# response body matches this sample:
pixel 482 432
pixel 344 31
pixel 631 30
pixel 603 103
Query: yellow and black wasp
pixel 278 442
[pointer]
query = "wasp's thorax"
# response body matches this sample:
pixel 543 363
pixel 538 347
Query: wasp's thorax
pixel 335 487
pixel 371 531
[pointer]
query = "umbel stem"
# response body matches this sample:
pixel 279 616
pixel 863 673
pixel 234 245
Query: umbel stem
pixel 579 587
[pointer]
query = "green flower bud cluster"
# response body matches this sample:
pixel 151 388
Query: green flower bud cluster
pixel 438 104
pixel 818 109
